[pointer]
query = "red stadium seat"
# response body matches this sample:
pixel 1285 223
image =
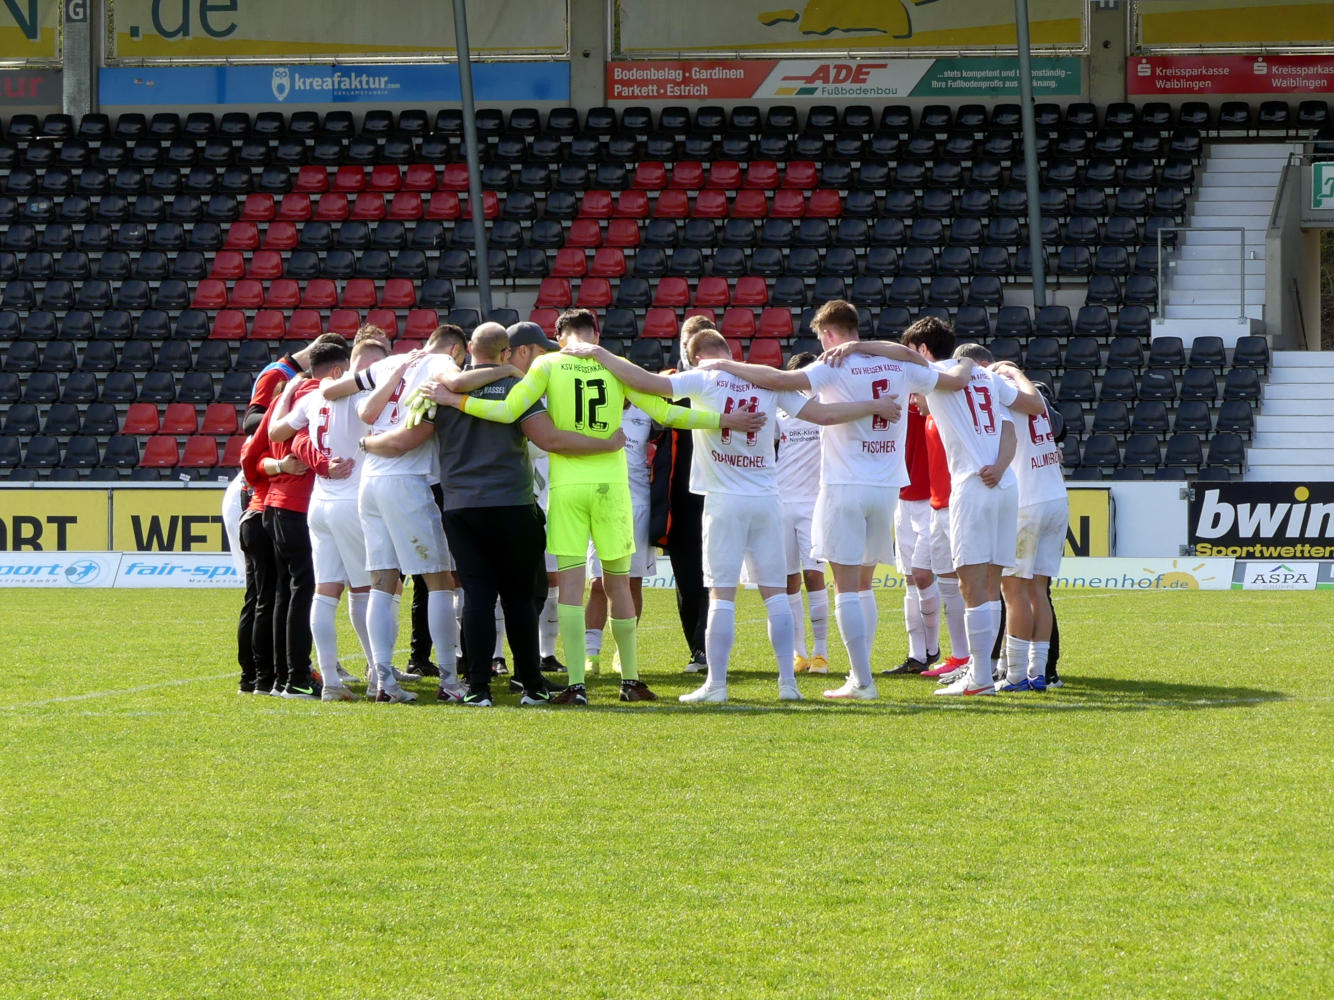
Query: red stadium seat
pixel 332 207
pixel 724 174
pixel 344 322
pixel 360 293
pixel 281 236
pixel 649 176
pixel 231 454
pixel 554 293
pixel 295 207
pixel 406 206
pixel 229 324
pixel 622 233
pixel 242 236
pixel 265 265
pixel 569 262
pixel 672 205
pixel 711 204
pixel 546 319
pixel 704 311
pixel 608 262
pixel 141 419
pixel 284 293
pixel 490 206
pixel 421 323
pixel 750 204
pixel 713 291
pixel 750 291
pixel 802 175
pixel 824 204
pixel 672 292
pixel 454 177
pixel 368 206
pixel 765 352
pixel 407 346
pixel 738 351
pixel 385 177
pixel 584 233
pixel 762 175
pixel 200 453
pixel 660 323
pixel 420 177
pixel 738 323
pixel 307 324
pixel 269 324
pixel 775 322
pixel 312 179
pixel 320 293
pixel 594 293
pixel 595 205
pixel 246 294
pixel 399 293
pixel 219 420
pixel 228 265
pixel 444 205
pixel 687 176
pixel 349 178
pixel 788 204
pixel 631 205
pixel 385 319
pixel 258 207
pixel 179 419
pixel 160 452
pixel 211 294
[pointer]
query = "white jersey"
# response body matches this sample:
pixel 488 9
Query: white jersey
pixel 798 458
pixel 869 451
pixel 424 459
pixel 970 422
pixel 638 427
pixel 334 429
pixel 727 461
pixel 1037 461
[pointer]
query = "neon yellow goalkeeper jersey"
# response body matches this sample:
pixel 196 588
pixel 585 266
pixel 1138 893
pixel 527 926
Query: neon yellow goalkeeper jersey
pixel 583 396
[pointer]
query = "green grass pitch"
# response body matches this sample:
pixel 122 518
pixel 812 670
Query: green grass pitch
pixel 1159 828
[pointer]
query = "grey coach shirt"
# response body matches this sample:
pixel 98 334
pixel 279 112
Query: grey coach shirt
pixel 483 463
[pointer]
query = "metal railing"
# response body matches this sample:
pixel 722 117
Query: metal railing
pixel 1174 244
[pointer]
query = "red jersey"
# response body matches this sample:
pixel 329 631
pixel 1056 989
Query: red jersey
pixel 939 466
pixel 285 492
pixel 915 458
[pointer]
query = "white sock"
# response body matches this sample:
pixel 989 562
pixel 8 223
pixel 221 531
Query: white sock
pixel 819 602
pixel 1037 659
pixel 356 610
pixel 382 626
pixel 798 615
pixel 912 621
pixel 324 633
pixel 398 600
pixel 458 623
pixel 928 599
pixel 443 629
pixel 593 642
pixel 719 632
pixel 549 626
pixel 952 601
pixel 500 632
pixel 981 634
pixel 852 627
pixel 781 631
pixel 1016 658
pixel 871 616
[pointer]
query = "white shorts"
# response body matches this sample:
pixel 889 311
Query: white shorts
pixel 797 516
pixel 983 523
pixel 402 525
pixel 854 525
pixel 643 563
pixel 231 522
pixel 337 545
pixel 912 535
pixel 1041 539
pixel 743 529
pixel 942 560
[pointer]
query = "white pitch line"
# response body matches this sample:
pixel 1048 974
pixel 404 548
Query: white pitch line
pixel 107 694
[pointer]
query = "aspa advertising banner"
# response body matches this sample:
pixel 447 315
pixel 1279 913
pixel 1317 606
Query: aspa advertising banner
pixel 1286 574
pixel 1247 24
pixel 30 31
pixel 1225 74
pixel 217 30
pixel 839 79
pixel 647 27
pixel 1262 520
pixel 294 84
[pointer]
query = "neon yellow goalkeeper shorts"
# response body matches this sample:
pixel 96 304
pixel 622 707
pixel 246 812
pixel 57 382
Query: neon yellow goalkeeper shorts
pixel 601 511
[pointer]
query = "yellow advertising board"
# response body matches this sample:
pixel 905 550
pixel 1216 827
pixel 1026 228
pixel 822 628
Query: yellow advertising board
pixel 30 31
pixel 216 30
pixel 186 520
pixel 1233 24
pixel 1091 523
pixel 644 28
pixel 53 520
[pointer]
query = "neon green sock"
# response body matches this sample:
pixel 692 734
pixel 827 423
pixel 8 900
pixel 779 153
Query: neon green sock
pixel 570 618
pixel 626 633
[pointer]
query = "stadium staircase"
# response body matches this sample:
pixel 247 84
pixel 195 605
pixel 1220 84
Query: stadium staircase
pixel 1296 425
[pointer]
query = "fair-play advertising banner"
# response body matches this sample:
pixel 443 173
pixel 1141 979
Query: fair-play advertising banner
pixel 87 570
pixel 837 79
pixel 295 84
pixel 1186 76
pixel 219 30
pixel 30 31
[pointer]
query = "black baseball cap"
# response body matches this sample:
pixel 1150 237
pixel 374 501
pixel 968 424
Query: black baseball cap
pixel 530 333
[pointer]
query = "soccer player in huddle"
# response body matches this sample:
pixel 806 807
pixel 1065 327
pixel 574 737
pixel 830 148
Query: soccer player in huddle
pixel 942 562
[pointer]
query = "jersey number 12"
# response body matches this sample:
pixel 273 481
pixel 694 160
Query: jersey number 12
pixel 590 395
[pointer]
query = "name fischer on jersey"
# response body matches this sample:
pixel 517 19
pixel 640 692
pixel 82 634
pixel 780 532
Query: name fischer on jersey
pixel 879 447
